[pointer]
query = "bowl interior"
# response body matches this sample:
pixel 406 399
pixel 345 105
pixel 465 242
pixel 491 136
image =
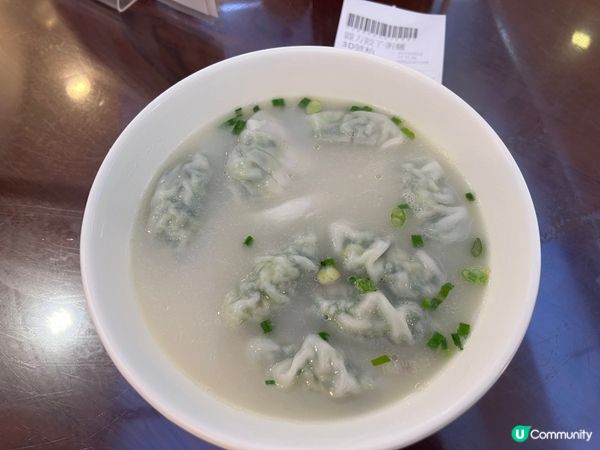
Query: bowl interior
pixel 448 123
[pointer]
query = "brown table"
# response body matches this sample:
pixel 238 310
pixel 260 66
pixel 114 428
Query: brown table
pixel 73 73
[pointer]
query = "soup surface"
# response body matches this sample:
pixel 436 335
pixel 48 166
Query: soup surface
pixel 309 262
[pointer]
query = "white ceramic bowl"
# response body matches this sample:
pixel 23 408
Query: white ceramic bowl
pixel 435 112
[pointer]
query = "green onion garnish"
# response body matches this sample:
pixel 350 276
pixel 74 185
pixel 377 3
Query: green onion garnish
pixel 324 335
pixel 363 285
pixel 398 216
pixel 437 340
pixel 313 107
pixel 404 206
pixel 270 382
pixel 361 108
pixel 304 102
pixel 470 196
pixel 408 132
pixel 238 112
pixel 248 241
pixel 279 102
pixel 417 240
pixel 463 329
pixel 477 247
pixel 436 301
pixel 266 326
pixel 239 126
pixel 230 122
pixel 456 340
pixel 397 120
pixel 475 276
pixel 256 108
pixel 328 262
pixel 381 360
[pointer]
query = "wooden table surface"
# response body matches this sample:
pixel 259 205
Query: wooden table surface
pixel 73 73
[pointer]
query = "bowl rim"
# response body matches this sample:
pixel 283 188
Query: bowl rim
pixel 170 411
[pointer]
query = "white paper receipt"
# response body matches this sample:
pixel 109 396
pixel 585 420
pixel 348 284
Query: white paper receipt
pixel 413 39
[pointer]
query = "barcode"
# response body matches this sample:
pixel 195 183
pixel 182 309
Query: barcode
pixel 381 29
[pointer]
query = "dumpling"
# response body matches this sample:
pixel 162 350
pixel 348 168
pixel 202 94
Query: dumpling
pixel 412 276
pixel 361 250
pixel 356 127
pixel 176 205
pixel 319 367
pixel 408 276
pixel 271 282
pixel 374 316
pixel 256 163
pixel 434 202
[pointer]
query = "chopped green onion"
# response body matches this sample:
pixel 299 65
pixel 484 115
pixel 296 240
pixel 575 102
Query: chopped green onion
pixel 230 122
pixel 475 276
pixel 437 340
pixel 417 240
pixel 397 120
pixel 239 126
pixel 266 326
pixel 313 107
pixel 456 340
pixel 470 196
pixel 445 290
pixel 304 102
pixel 477 247
pixel 363 285
pixel 398 217
pixel 248 241
pixel 238 112
pixel 270 382
pixel 436 301
pixel 361 108
pixel 328 275
pixel 381 360
pixel 324 335
pixel 408 132
pixel 256 108
pixel 463 329
pixel 328 262
pixel 279 102
pixel 404 206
